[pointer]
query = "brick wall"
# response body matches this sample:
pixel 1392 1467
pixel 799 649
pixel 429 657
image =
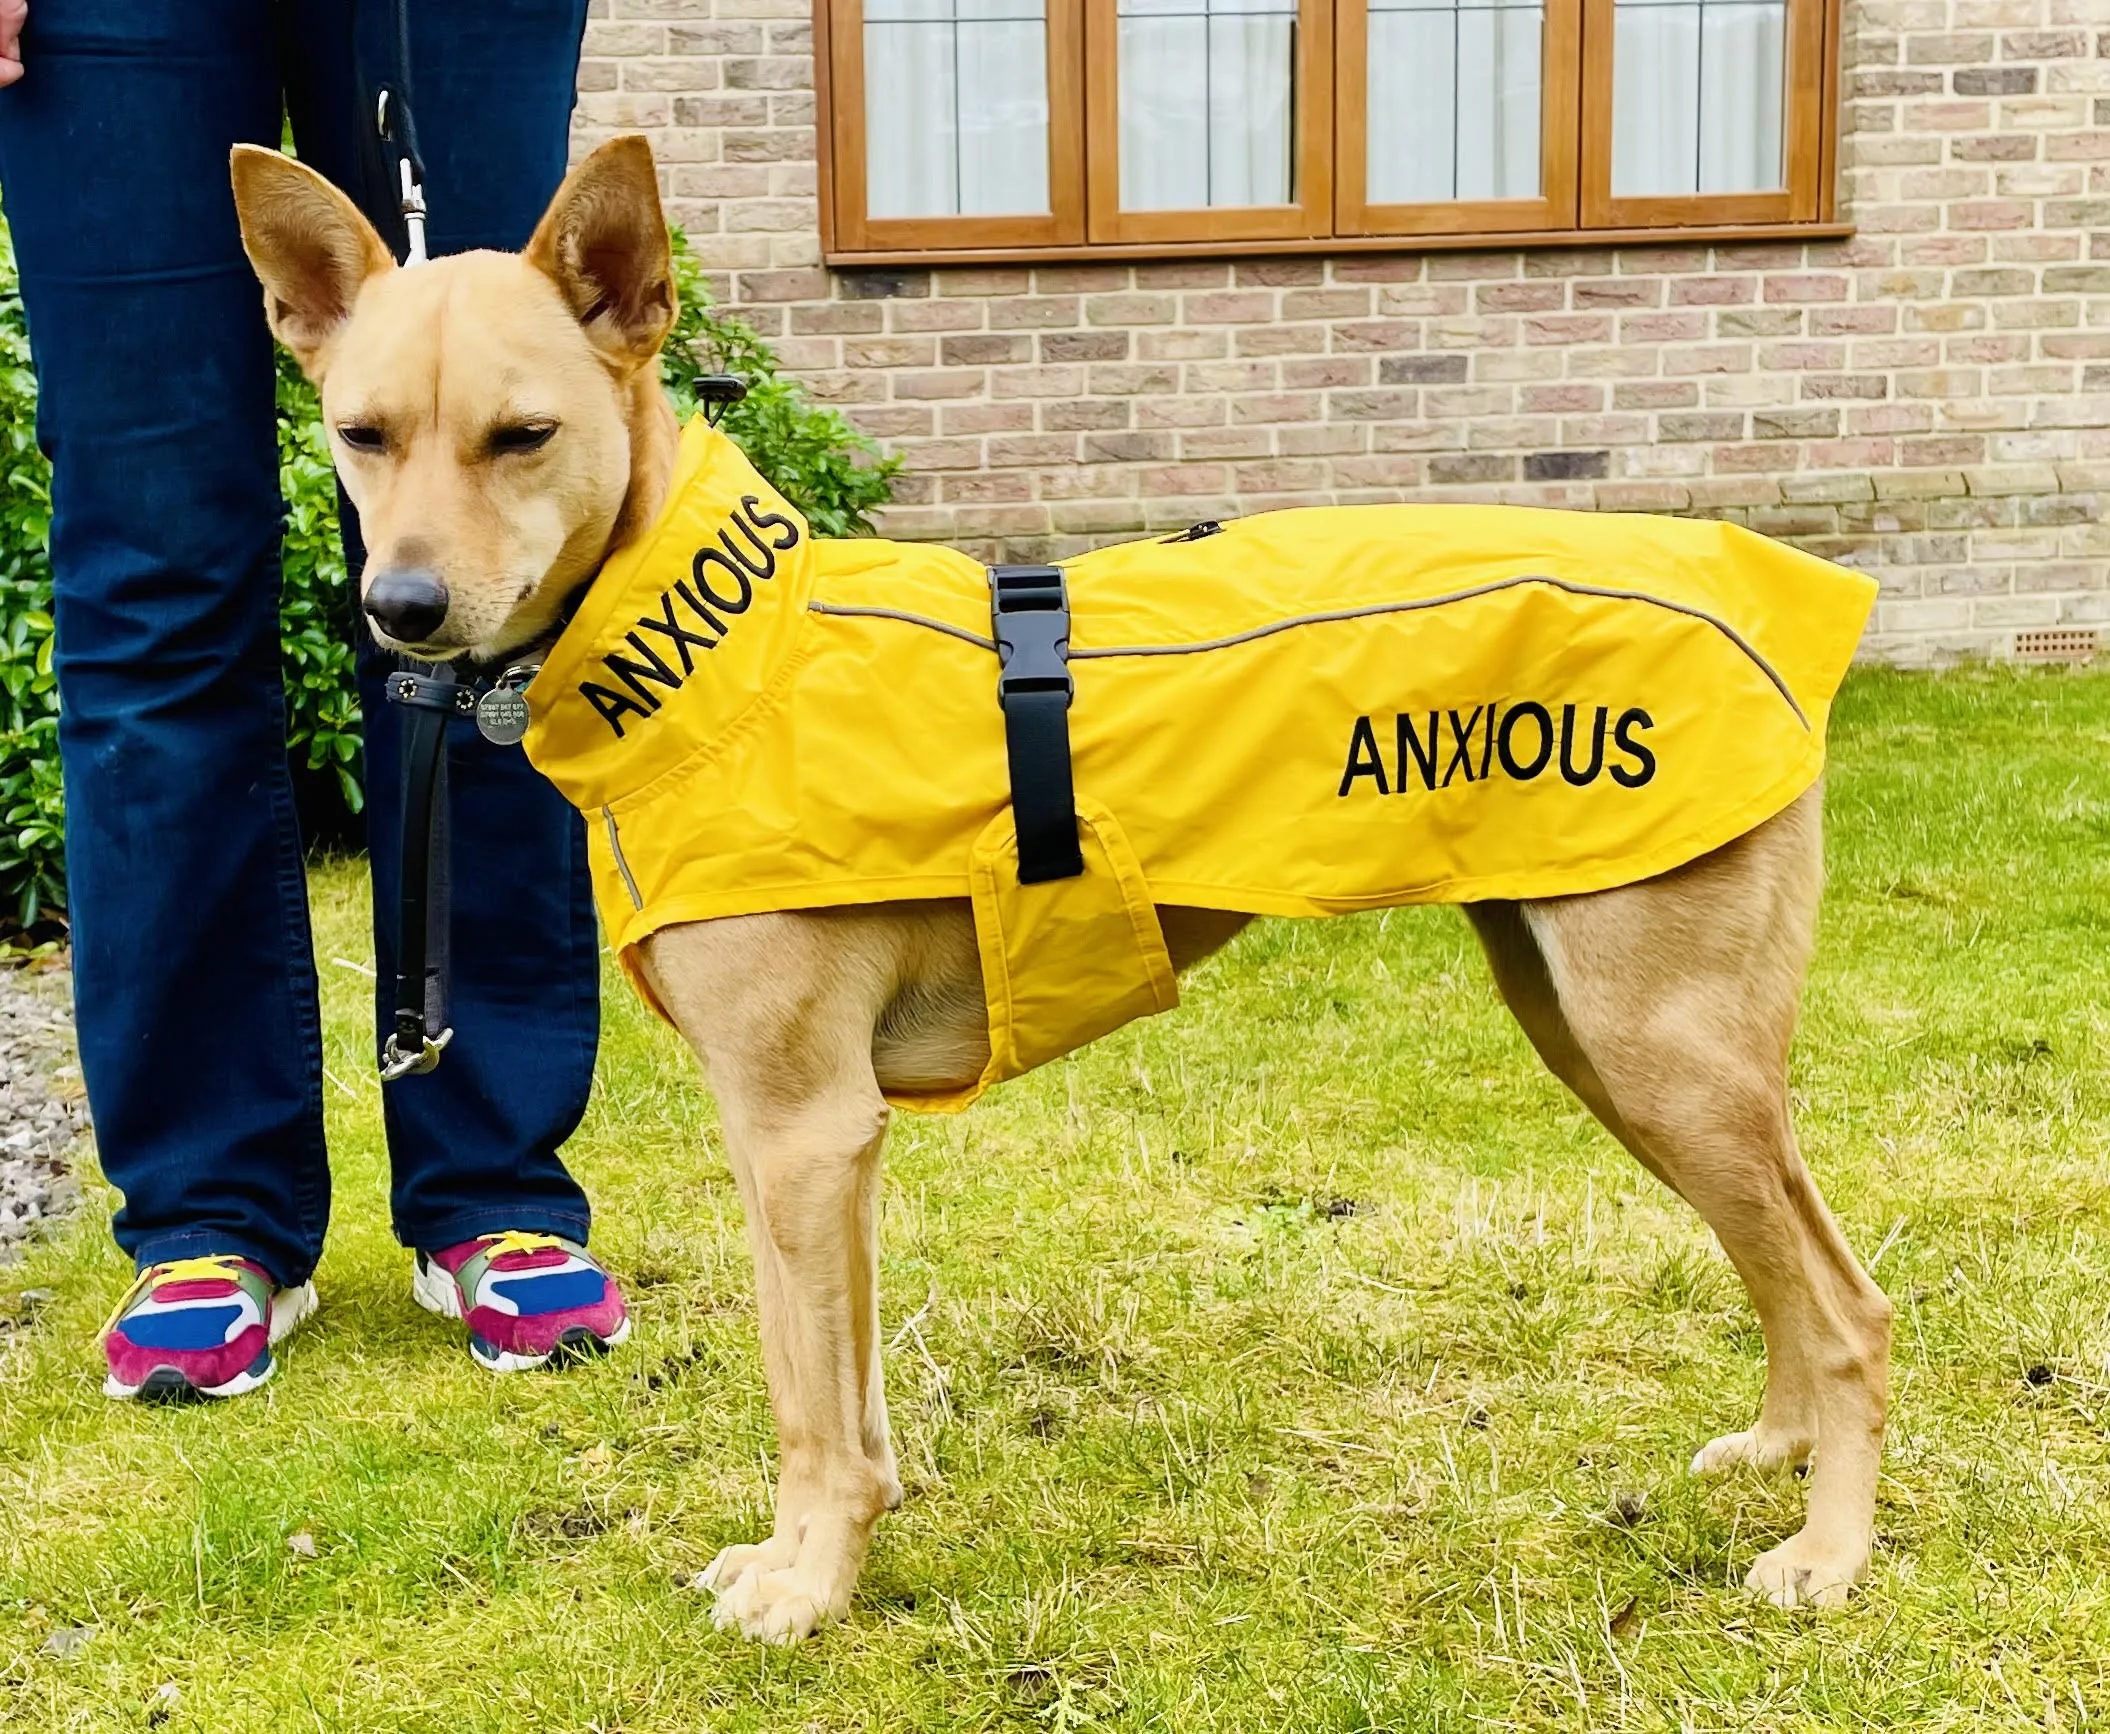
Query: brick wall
pixel 1929 401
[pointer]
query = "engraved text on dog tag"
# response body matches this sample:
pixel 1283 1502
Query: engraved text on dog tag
pixel 502 716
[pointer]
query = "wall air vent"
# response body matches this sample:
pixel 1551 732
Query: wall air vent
pixel 2056 644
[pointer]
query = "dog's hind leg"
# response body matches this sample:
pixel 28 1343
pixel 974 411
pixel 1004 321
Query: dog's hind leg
pixel 1669 1007
pixel 1786 1428
pixel 1519 969
pixel 781 1012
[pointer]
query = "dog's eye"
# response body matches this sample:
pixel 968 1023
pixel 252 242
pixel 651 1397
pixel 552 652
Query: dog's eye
pixel 362 438
pixel 527 436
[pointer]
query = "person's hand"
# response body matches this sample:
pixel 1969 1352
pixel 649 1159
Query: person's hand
pixel 13 15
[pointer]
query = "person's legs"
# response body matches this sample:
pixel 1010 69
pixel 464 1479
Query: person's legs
pixel 474 1143
pixel 193 969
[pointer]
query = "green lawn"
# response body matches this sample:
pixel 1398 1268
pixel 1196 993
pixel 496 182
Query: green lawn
pixel 1279 1365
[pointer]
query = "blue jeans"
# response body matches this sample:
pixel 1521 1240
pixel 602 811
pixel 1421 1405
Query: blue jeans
pixel 194 971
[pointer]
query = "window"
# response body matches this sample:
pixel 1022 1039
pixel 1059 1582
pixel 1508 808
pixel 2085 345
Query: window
pixel 1020 129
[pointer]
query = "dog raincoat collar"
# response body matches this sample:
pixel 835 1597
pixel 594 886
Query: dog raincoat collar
pixel 681 635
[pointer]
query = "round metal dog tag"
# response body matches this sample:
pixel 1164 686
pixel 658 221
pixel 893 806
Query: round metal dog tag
pixel 502 716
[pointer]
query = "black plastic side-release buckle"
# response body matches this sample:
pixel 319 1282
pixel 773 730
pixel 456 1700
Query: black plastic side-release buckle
pixel 1029 613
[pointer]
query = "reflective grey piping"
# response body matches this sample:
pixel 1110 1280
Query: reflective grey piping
pixel 1375 608
pixel 1722 626
pixel 615 848
pixel 944 626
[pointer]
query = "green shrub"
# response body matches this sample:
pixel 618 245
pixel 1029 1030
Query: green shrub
pixel 32 849
pixel 823 466
pixel 314 599
pixel 815 458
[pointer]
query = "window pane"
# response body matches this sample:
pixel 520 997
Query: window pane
pixel 1699 94
pixel 1454 99
pixel 1206 103
pixel 956 108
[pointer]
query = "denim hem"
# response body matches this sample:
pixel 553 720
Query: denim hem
pixel 453 1230
pixel 216 1243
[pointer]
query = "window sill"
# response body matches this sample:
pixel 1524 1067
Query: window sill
pixel 1531 240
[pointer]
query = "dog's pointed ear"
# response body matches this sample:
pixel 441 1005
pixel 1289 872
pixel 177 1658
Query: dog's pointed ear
pixel 310 247
pixel 603 242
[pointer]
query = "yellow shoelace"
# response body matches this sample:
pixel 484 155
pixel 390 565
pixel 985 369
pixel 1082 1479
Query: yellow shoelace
pixel 176 1270
pixel 518 1240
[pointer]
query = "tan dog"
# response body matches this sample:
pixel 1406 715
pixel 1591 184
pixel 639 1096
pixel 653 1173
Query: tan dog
pixel 499 423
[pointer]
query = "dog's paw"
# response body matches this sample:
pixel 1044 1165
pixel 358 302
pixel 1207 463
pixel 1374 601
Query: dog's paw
pixel 775 1592
pixel 1807 1571
pixel 1756 1449
pixel 735 1563
pixel 770 1607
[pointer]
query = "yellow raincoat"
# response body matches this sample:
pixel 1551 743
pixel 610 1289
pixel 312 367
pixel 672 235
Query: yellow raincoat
pixel 1311 712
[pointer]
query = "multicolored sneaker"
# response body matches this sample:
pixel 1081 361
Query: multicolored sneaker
pixel 528 1299
pixel 199 1327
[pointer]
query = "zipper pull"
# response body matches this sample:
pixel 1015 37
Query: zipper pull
pixel 1195 532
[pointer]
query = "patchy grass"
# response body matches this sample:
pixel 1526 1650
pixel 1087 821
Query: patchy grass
pixel 1305 1360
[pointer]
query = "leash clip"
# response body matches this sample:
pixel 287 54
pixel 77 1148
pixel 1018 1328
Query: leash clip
pixel 413 201
pixel 396 1062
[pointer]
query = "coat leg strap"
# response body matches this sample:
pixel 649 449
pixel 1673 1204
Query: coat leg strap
pixel 1030 613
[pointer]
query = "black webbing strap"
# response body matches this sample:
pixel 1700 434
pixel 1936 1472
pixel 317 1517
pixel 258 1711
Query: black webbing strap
pixel 396 132
pixel 419 1031
pixel 1029 612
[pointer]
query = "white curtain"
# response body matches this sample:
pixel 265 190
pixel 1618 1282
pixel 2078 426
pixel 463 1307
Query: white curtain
pixel 1454 102
pixel 1699 94
pixel 1205 96
pixel 956 108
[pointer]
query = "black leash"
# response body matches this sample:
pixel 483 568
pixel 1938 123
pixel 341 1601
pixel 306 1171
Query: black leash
pixel 419 1031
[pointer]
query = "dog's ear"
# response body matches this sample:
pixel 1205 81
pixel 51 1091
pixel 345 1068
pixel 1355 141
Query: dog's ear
pixel 310 247
pixel 603 242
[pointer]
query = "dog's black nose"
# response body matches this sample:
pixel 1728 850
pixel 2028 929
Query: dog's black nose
pixel 408 606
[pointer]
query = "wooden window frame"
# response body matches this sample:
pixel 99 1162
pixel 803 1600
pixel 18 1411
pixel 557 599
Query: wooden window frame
pixel 1553 209
pixel 1333 215
pixel 1311 104
pixel 1811 28
pixel 839 96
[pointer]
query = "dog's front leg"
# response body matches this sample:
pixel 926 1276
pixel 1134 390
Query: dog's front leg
pixel 780 1009
pixel 809 1182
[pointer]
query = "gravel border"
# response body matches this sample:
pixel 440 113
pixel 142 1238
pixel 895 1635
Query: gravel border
pixel 42 1109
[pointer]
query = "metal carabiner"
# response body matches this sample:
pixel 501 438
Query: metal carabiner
pixel 397 1063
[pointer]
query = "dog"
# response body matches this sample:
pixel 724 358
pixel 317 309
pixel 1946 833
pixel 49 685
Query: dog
pixel 499 424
